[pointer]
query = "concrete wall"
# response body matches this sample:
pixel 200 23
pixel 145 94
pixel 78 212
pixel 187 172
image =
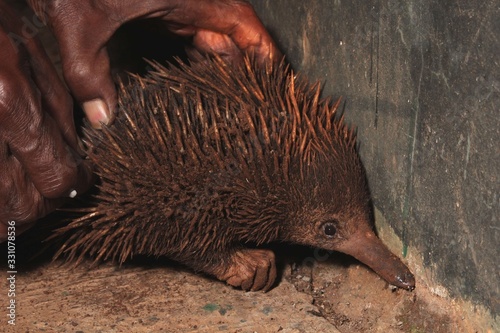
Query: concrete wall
pixel 421 80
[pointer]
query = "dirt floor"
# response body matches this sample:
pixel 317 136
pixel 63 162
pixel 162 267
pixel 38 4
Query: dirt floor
pixel 331 293
pixel 317 291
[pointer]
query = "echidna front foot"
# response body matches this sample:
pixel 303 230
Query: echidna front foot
pixel 250 269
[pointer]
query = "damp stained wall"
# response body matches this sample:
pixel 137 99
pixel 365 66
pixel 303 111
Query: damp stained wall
pixel 421 81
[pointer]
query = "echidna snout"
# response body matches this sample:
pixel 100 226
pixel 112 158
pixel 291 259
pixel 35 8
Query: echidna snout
pixel 204 160
pixel 360 242
pixel 330 208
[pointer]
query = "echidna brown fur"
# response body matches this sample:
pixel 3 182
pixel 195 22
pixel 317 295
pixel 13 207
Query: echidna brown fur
pixel 205 159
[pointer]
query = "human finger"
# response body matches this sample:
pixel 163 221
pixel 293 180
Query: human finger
pixel 34 139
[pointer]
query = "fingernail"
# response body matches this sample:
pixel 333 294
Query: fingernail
pixel 97 112
pixel 72 194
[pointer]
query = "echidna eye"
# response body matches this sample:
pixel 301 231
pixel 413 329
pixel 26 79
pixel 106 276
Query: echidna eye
pixel 330 229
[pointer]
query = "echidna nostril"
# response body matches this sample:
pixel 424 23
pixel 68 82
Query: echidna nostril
pixel 406 281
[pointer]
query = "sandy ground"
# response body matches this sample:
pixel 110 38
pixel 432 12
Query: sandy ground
pixel 335 294
pixel 154 299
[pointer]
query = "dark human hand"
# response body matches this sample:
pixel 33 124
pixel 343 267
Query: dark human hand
pixel 84 27
pixel 38 142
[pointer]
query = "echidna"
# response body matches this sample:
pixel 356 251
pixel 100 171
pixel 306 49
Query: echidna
pixel 206 162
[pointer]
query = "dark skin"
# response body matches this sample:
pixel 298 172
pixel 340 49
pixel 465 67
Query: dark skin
pixel 40 158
